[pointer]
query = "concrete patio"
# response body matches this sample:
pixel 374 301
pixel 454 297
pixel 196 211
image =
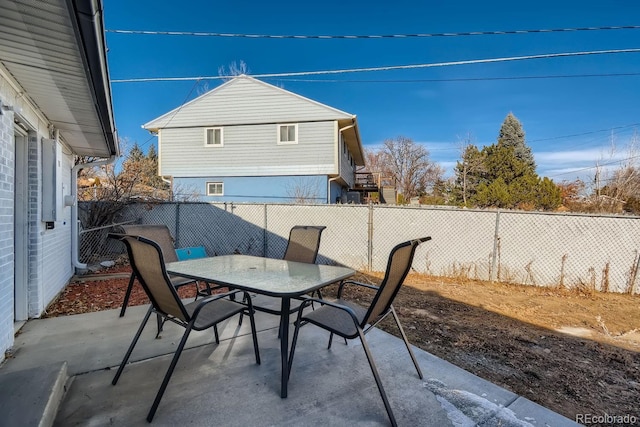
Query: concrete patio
pixel 61 369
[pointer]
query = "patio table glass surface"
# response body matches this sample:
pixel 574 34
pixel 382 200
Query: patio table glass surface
pixel 266 276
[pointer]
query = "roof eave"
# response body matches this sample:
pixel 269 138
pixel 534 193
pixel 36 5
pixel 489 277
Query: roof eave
pixel 352 137
pixel 89 30
pixel 54 55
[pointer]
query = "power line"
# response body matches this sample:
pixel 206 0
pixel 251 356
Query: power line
pixel 394 67
pixel 362 36
pixel 461 79
pixel 586 133
pixel 175 112
pixel 612 162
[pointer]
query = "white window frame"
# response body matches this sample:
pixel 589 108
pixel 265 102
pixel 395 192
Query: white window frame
pixel 209 193
pixel 206 133
pixel 280 126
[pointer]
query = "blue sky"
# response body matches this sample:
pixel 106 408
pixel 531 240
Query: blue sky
pixel 569 121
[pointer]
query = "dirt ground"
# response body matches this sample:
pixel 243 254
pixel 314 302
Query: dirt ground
pixel 573 352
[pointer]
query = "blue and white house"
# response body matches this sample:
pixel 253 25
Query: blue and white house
pixel 55 103
pixel 249 141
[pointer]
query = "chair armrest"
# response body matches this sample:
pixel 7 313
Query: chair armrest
pixel 213 298
pixel 351 282
pixel 117 236
pixel 307 301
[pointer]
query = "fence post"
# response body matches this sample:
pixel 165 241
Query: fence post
pixel 177 244
pixel 496 238
pixel 265 246
pixel 370 238
pixel 635 274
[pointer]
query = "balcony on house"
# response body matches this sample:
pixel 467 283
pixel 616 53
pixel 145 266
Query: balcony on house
pixel 371 188
pixel 367 182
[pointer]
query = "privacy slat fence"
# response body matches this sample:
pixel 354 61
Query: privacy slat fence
pixel 542 249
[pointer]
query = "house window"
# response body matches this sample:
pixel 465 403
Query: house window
pixel 215 189
pixel 288 134
pixel 213 137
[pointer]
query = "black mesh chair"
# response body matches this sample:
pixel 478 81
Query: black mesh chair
pixel 160 234
pixel 303 243
pixel 302 246
pixel 350 320
pixel 148 264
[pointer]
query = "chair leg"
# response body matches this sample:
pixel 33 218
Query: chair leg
pixel 205 292
pixel 374 370
pixel 406 342
pixel 297 324
pixel 127 294
pixel 319 292
pixel 160 323
pixel 244 301
pixel 167 376
pixel 133 344
pixel 331 339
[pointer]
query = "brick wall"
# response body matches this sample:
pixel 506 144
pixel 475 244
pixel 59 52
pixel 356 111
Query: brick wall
pixel 6 231
pixel 48 252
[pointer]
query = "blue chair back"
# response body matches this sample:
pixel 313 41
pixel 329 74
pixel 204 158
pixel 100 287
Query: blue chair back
pixel 191 253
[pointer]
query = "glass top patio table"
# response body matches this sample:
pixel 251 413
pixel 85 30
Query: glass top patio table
pixel 266 276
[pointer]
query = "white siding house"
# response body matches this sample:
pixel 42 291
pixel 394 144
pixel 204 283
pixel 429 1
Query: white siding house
pixel 55 102
pixel 247 140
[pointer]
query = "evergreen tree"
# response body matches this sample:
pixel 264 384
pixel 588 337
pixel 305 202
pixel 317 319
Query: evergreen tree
pixel 549 194
pixel 512 135
pixel 136 154
pixel 501 161
pixel 469 172
pixel 494 194
pixel 151 169
pixel 506 177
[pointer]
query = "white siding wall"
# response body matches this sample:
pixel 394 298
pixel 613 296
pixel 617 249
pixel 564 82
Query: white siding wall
pixel 346 165
pixel 249 150
pixel 48 251
pixel 247 101
pixel 57 266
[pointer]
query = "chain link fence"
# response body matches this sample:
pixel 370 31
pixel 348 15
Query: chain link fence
pixel 542 249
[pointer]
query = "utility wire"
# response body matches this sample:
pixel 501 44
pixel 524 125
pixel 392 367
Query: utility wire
pixel 612 162
pixel 379 36
pixel 585 133
pixel 461 79
pixel 175 112
pixel 393 67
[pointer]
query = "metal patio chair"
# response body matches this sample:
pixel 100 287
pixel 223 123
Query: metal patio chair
pixel 350 320
pixel 147 261
pixel 303 243
pixel 302 246
pixel 160 234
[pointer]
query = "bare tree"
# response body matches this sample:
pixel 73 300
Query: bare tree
pixel 615 186
pixel 409 165
pixel 303 190
pixel 375 165
pixel 234 69
pixel 183 193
